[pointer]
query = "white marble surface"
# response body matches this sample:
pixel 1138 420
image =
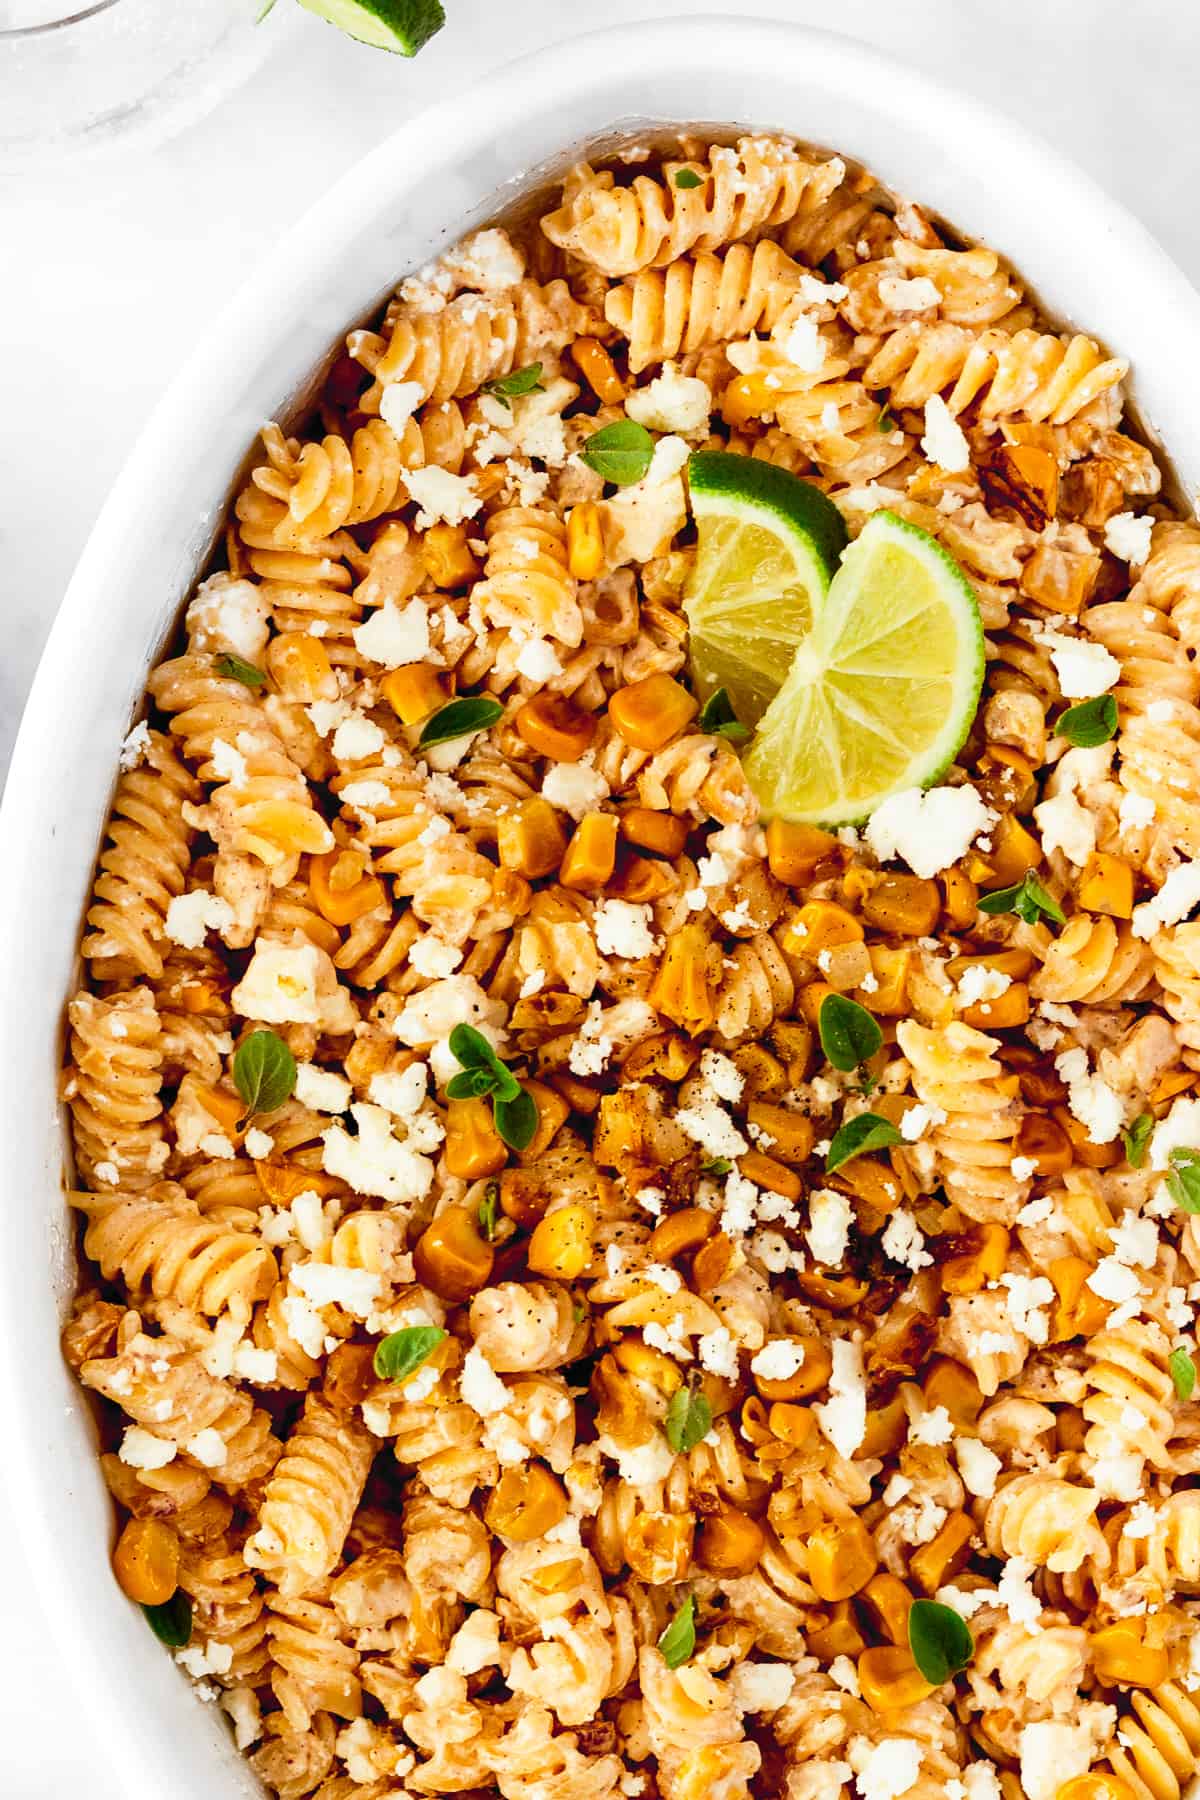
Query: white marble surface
pixel 110 267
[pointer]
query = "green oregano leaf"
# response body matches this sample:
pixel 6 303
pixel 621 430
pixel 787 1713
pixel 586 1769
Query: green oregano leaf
pixel 621 452
pixel 716 1165
pixel 678 1641
pixel 1183 1182
pixel 1183 1373
pixel 866 1132
pixel 507 388
pixel 1090 723
pixel 1028 899
pixel 688 178
pixel 849 1035
pixel 402 1352
pixel 236 668
pixel 940 1640
pixel 264 1072
pixel 885 422
pixel 472 1050
pixel 1136 1139
pixel 487 1210
pixel 171 1622
pixel 516 1119
pixel 458 718
pixel 688 1420
pixel 719 719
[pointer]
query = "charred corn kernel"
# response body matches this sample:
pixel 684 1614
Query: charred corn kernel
pixel 887 1603
pixel 795 1425
pixel 1178 1081
pixel 146 1561
pixel 530 839
pixel 1091 1155
pixel 640 1360
pixel 1120 1653
pixel 808 1379
pixel 944 1555
pixel 661 833
pixel 585 541
pixel 833 1630
pixel 620 1413
pixel 763 1075
pixel 1044 1143
pixel 598 370
pixel 966 1274
pixel 526 1503
pixel 730 1542
pixel 747 397
pixel 960 899
pixel 412 692
pixel 524 1197
pixel 300 667
pixel 1106 886
pixel 1013 853
pixel 890 1679
pixel 649 713
pixel 680 1232
pixel 766 1172
pixel 812 997
pixel 666 1057
pixel 979 870
pixel 591 855
pixel 202 997
pixel 817 926
pixel 1016 964
pixel 680 989
pixel 227 1109
pixel 793 851
pixel 448 556
pixel 1080 1312
pixel 1099 1785
pixel 1001 1012
pixel 841 1558
pixel 342 887
pixel 789 1135
pixel 641 881
pixel 552 1111
pixel 887 1428
pixel 452 1256
pixel 561 1244
pixel 511 893
pixel 350 1372
pixel 658 1546
pixel 713 1262
pixel 793 1041
pixel 835 1293
pixel 554 726
pixel 858 882
pixel 474 1148
pixel 281 1182
pixel 903 904
pixel 947 1383
pixel 578 1095
pixel 891 968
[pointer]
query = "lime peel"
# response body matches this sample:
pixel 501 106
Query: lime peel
pixel 402 26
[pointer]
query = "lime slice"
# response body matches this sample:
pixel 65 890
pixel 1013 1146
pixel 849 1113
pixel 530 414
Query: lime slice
pixel 399 25
pixel 767 546
pixel 883 693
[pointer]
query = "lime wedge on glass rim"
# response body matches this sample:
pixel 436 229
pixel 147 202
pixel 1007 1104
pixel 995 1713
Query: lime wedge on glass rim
pixel 882 693
pixel 402 26
pixel 767 546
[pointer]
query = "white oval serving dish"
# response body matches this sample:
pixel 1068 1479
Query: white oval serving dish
pixel 444 172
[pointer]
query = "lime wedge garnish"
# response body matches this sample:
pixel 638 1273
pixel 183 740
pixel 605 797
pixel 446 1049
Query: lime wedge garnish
pixel 399 25
pixel 767 547
pixel 883 692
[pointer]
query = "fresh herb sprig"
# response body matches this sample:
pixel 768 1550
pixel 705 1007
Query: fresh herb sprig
pixel 459 718
pixel 940 1640
pixel 1183 1373
pixel 688 1421
pixel 678 1642
pixel 1090 723
pixel 514 1109
pixel 849 1035
pixel 868 1131
pixel 507 388
pixel 264 1073
pixel 718 718
pixel 620 452
pixel 237 669
pixel 1183 1180
pixel 1028 899
pixel 401 1353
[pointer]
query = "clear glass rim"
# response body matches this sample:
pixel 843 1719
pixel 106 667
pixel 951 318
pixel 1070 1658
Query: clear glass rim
pixel 74 18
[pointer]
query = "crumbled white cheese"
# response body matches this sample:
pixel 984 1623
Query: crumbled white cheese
pixel 1084 668
pixel 722 1075
pixel 1026 1297
pixel 487 260
pixel 1135 812
pixel 935 1426
pixel 429 1017
pixel 904 1242
pixel 191 916
pixel 440 495
pixel 433 958
pixel 1090 1099
pixel 402 1092
pixel 915 295
pixel 1180 1130
pixel 322 1089
pixel 326 1284
pixel 208 1448
pixel 228 614
pixel 1038 1211
pixel 135 747
pixel 885 1770
pixel 624 929
pixel 1014 1591
pixel 394 635
pixel 978 1467
pixel 538 660
pixel 293 984
pixel 917 1120
pixel 398 402
pixel 1175 899
pixel 802 344
pixel 1067 826
pixel 258 1144
pixel 830 1217
pixel 241 1703
pixel 708 1125
pixel 1051 1756
pixel 778 1360
pixel 357 738
pixel 1135 1242
pixel 205 1659
pixel 672 402
pixel 944 441
pixel 843 1417
pixel 717 1349
pixel 481 1388
pixel 978 982
pixel 928 830
pixel 140 1449
pixel 1127 536
pixel 375 1162
pixel 576 787
pixel 1113 1281
pixel 761 1687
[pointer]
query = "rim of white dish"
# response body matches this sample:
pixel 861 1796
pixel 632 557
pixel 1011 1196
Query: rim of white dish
pixel 443 135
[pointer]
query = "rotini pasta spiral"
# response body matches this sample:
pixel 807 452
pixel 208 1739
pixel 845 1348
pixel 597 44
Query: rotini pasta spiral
pixel 311 1496
pixel 702 300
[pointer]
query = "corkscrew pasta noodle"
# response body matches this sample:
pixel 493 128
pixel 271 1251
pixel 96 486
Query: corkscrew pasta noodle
pixel 696 1417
